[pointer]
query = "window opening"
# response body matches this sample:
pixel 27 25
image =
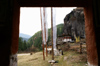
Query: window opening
pixel 70 42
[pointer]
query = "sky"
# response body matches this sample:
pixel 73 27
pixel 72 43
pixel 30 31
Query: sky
pixel 30 22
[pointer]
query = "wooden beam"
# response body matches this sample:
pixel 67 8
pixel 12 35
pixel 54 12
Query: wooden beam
pixel 54 3
pixel 15 28
pixel 90 37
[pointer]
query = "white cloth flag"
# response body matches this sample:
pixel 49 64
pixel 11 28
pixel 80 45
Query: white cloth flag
pixel 42 16
pixel 54 27
pixel 44 25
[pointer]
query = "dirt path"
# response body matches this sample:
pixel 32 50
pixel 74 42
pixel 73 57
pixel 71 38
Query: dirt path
pixel 23 54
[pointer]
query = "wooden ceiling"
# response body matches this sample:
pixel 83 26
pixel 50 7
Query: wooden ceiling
pixel 54 3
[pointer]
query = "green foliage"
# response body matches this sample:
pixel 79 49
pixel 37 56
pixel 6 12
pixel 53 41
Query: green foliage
pixel 36 39
pixel 22 44
pixel 60 28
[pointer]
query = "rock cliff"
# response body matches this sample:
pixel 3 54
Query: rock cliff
pixel 74 24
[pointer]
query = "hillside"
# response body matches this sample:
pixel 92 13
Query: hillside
pixel 36 39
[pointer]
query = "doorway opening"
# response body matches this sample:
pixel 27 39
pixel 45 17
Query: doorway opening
pixel 70 38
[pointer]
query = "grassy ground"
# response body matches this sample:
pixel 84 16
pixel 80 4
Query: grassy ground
pixel 70 58
pixel 32 60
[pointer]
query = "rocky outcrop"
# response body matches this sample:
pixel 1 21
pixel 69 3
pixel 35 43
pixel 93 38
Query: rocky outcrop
pixel 74 24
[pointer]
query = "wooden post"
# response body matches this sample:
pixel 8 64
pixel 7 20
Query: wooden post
pixel 43 53
pixel 45 40
pixel 80 48
pixel 52 33
pixel 45 32
pixel 90 37
pixel 46 50
pixel 15 27
pixel 42 34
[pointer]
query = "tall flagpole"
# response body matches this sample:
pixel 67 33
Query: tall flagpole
pixel 45 30
pixel 42 34
pixel 52 33
pixel 45 39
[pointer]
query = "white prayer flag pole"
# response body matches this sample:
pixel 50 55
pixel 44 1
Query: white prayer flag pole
pixel 44 27
pixel 53 30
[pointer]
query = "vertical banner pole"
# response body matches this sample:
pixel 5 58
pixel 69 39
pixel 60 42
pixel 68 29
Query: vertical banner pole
pixel 44 9
pixel 46 50
pixel 52 33
pixel 42 33
pixel 43 53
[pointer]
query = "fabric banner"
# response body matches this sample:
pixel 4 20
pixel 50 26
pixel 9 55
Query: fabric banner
pixel 44 25
pixel 54 27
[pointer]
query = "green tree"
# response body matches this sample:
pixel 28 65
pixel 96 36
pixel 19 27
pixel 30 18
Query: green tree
pixel 36 39
pixel 25 45
pixel 20 48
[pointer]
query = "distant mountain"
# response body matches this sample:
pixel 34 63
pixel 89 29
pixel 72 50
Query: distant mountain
pixel 24 36
pixel 26 39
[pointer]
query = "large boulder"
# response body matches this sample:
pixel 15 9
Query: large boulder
pixel 74 23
